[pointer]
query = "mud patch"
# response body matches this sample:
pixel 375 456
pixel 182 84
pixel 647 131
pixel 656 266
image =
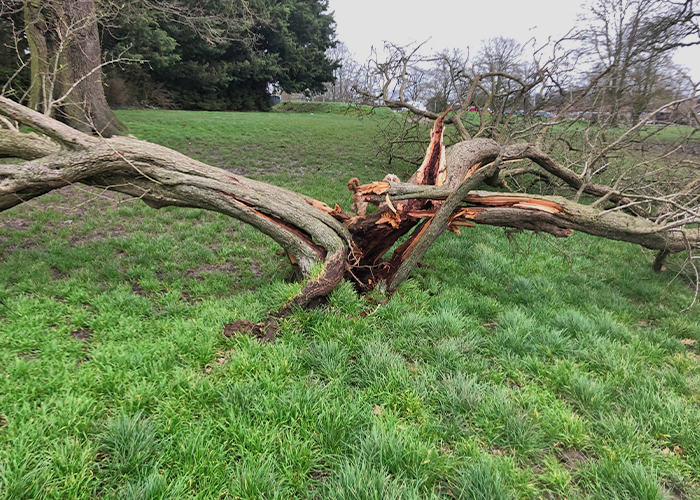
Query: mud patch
pixel 319 476
pixel 138 290
pixel 17 224
pixel 82 334
pixel 256 270
pixel 648 323
pixel 670 492
pixel 189 298
pixel 264 331
pixel 56 273
pixel 572 459
pixel 29 244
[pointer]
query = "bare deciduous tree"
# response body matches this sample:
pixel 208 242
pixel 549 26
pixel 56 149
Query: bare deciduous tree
pixel 347 77
pixel 573 135
pixel 635 38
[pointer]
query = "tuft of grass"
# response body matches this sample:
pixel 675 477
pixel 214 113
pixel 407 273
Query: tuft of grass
pixel 460 394
pixel 481 480
pixel 129 445
pixel 253 480
pixel 390 448
pixel 329 360
pixel 360 481
pixel 622 480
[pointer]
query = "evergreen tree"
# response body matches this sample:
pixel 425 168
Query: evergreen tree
pixel 228 57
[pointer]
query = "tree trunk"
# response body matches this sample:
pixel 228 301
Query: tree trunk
pixel 36 32
pixel 65 65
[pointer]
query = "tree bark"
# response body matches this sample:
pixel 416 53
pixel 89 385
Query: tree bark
pixel 30 146
pixel 65 65
pixel 36 32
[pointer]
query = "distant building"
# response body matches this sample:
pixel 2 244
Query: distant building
pixel 293 97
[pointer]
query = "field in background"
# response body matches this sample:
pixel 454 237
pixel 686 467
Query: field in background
pixel 528 368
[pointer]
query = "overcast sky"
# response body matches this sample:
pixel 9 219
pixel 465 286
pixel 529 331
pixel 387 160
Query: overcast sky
pixel 460 24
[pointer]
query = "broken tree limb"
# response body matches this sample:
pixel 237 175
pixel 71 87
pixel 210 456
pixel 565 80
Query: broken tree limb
pixel 26 146
pixel 527 212
pixel 440 222
pixel 577 217
pixel 65 135
pixel 162 177
pixel 571 178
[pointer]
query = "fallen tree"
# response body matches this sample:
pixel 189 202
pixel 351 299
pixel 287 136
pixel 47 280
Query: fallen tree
pixel 647 195
pixel 327 244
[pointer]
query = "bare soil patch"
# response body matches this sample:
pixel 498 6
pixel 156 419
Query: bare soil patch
pixel 81 334
pixel 56 273
pixel 17 224
pixel 573 459
pixel 26 245
pixel 138 290
pixel 265 331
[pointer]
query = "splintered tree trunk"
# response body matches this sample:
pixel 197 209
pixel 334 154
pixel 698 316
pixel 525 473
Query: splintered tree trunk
pixel 65 65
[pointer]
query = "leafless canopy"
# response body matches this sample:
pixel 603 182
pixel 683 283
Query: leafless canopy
pixel 602 117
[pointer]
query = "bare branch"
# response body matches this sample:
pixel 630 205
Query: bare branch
pixel 65 135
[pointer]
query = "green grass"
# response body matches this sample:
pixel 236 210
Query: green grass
pixel 502 370
pixel 335 108
pixel 302 151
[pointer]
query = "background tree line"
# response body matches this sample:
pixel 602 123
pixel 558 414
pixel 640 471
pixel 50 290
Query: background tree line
pixel 185 54
pixel 227 55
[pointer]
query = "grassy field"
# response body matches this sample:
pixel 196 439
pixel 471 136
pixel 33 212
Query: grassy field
pixel 504 369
